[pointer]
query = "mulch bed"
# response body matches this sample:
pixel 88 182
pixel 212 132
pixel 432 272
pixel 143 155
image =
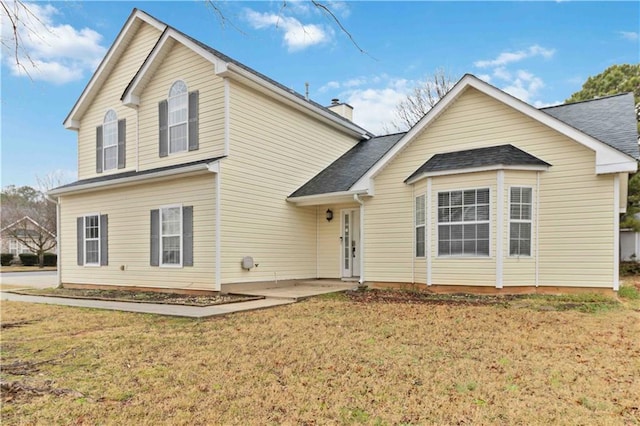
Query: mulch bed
pixel 419 297
pixel 142 296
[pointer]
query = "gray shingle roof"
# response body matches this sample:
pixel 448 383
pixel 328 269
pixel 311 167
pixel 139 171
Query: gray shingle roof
pixel 133 173
pixel 346 170
pixel 507 155
pixel 611 120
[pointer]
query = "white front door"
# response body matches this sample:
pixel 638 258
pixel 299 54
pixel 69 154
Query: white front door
pixel 350 249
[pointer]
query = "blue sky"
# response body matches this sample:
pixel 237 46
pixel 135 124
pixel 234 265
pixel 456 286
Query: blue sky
pixel 541 52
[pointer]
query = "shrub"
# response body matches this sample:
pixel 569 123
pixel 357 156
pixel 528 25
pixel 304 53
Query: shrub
pixel 630 268
pixel 50 259
pixel 29 259
pixel 6 258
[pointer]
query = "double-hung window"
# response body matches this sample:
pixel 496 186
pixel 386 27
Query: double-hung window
pixel 110 140
pixel 178 117
pixel 463 223
pixel 93 246
pixel 520 213
pixel 171 236
pixel 420 220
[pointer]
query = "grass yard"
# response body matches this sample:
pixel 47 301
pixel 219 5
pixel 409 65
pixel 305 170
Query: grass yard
pixel 328 360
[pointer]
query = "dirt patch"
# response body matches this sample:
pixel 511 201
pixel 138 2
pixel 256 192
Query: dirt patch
pixel 142 296
pixel 580 302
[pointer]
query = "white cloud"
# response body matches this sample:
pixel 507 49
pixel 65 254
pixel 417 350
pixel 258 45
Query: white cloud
pixel 506 58
pixel 502 73
pixel 373 98
pixel 629 35
pixel 297 36
pixel 48 51
pixel 525 86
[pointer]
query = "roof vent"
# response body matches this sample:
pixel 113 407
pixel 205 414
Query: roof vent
pixel 335 101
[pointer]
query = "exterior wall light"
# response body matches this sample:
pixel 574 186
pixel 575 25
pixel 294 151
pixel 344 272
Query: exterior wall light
pixel 329 215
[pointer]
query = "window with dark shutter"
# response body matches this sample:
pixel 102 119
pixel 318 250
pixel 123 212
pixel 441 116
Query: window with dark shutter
pixel 193 121
pixel 155 243
pixel 122 138
pixel 163 119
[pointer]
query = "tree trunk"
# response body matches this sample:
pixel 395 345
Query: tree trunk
pixel 40 259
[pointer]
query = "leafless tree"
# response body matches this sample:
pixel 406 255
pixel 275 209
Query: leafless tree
pixel 421 99
pixel 28 217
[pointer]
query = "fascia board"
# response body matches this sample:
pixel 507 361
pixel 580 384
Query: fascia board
pixel 240 74
pixel 132 180
pixel 496 167
pixel 131 96
pixel 607 157
pixel 72 121
pixel 329 198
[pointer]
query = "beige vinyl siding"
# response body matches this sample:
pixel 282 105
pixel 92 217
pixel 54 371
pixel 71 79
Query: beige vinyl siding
pixel 128 211
pixel 109 98
pixel 455 270
pixel 181 63
pixel 576 219
pixel 519 271
pixel 329 243
pixel 274 150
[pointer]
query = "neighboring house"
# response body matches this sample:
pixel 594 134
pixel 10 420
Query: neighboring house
pixel 630 243
pixel 27 229
pixel 196 172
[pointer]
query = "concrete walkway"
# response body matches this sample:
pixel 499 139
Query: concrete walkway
pixel 285 294
pixel 151 308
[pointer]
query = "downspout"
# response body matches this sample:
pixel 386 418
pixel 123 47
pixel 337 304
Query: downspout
pixel 137 138
pixel 215 168
pixel 356 197
pixel 536 212
pixel 59 252
pixel 616 232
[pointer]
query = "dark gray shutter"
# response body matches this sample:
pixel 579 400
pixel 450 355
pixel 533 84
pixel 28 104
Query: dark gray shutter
pixel 187 236
pixel 155 237
pixel 104 245
pixel 163 116
pixel 122 143
pixel 80 240
pixel 193 121
pixel 99 149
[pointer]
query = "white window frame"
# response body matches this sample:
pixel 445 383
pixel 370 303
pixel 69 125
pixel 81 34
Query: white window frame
pixel 463 222
pixel 85 240
pixel 420 221
pixel 529 221
pixel 109 127
pixel 14 247
pixel 161 236
pixel 171 99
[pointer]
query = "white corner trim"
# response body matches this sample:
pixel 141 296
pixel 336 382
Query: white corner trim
pixel 429 233
pixel 218 273
pixel 500 229
pixel 536 216
pixel 227 116
pixel 356 197
pixel 616 232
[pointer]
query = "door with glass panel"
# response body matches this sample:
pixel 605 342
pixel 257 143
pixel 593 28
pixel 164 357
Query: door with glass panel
pixel 350 246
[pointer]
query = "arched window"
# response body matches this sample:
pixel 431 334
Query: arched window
pixel 110 140
pixel 178 117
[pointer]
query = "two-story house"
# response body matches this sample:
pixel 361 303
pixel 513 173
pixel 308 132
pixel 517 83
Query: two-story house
pixel 196 172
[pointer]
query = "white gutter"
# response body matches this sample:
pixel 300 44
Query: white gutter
pixel 58 251
pixel 232 69
pixel 130 180
pixel 326 198
pixel 616 232
pixel 356 197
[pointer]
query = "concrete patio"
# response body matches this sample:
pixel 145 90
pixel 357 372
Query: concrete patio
pixel 290 289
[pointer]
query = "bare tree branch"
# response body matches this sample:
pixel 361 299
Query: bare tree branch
pixel 335 19
pixel 421 99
